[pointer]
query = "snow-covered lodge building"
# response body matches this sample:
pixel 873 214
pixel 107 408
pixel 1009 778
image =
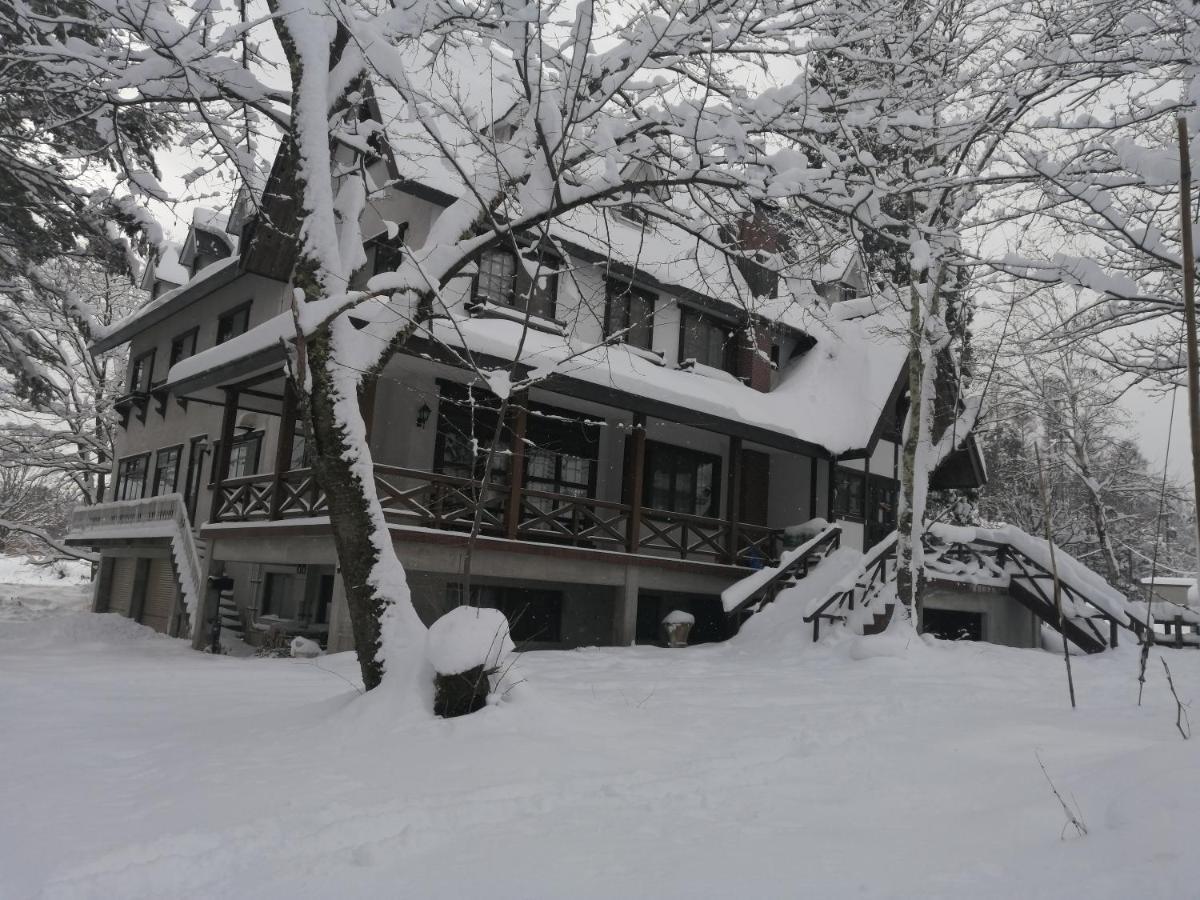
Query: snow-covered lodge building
pixel 694 411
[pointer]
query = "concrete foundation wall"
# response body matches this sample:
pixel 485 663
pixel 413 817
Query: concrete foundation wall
pixel 1005 621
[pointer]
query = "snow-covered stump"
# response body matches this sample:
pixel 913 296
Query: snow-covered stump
pixel 467 648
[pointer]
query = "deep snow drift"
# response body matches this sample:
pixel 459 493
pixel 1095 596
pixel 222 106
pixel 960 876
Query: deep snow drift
pixel 766 767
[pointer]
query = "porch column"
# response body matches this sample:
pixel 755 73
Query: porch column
pixel 833 461
pixel 366 402
pixel 813 462
pixel 519 420
pixel 733 499
pixel 221 463
pixel 283 445
pixel 634 478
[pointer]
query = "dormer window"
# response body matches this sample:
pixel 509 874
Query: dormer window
pixel 209 249
pixel 629 315
pixel 503 280
pixel 708 340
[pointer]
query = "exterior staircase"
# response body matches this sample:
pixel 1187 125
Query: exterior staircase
pixel 748 596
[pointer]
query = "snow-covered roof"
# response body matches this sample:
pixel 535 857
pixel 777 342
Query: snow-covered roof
pixel 203 282
pixel 165 267
pixel 1169 582
pixel 832 397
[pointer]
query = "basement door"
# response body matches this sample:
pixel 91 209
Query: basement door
pixel 160 595
pixel 120 586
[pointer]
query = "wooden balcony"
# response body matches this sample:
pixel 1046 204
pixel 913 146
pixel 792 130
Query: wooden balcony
pixel 444 502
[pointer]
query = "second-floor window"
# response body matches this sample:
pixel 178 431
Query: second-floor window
pixel 505 280
pixel 629 315
pixel 131 477
pixel 243 455
pixel 233 323
pixel 140 372
pixel 708 340
pixel 182 346
pixel 166 470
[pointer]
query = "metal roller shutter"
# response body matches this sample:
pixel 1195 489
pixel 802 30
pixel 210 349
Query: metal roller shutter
pixel 160 595
pixel 120 589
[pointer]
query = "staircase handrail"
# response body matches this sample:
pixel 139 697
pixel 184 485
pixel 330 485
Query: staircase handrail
pixel 760 585
pixel 876 559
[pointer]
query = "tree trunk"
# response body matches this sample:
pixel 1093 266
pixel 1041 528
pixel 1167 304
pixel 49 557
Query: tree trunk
pixel 376 592
pixel 908 524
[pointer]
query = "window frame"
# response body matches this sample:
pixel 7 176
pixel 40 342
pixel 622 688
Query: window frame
pixel 134 387
pixel 228 316
pixel 192 333
pixel 154 482
pixel 122 475
pixel 729 362
pixel 855 482
pixel 623 291
pixel 522 290
pixel 656 451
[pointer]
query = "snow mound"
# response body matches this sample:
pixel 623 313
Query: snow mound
pixel 82 629
pixel 679 617
pixel 27 570
pixel 467 637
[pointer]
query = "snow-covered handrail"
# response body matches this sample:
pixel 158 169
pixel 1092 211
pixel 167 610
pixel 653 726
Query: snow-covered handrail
pixel 741 593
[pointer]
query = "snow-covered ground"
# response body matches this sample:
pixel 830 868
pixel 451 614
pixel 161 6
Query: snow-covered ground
pixel 766 767
pixel 29 589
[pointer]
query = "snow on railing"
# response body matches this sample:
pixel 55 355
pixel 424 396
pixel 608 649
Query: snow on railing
pixel 164 516
pixel 825 538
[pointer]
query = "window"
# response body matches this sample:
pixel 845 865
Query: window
pixel 708 340
pixel 505 280
pixel 533 615
pixel 280 595
pixel 131 477
pixel 679 479
pixel 629 313
pixel 849 501
pixel 233 323
pixel 467 421
pixel 166 470
pixel 386 254
pixel 209 249
pixel 140 373
pixel 560 456
pixel 182 347
pixel 243 455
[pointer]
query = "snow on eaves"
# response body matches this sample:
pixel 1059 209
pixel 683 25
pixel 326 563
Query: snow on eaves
pixel 166 267
pixel 125 328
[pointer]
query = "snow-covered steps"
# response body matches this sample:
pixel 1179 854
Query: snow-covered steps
pixel 864 600
pixel 759 588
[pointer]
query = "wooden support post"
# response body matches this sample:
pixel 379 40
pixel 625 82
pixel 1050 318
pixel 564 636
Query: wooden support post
pixel 283 445
pixel 1112 632
pixel 832 489
pixel 221 463
pixel 733 499
pixel 813 462
pixel 519 418
pixel 1179 631
pixel 635 475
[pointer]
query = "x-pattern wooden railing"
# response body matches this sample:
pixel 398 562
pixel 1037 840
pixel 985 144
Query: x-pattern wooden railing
pixel 448 502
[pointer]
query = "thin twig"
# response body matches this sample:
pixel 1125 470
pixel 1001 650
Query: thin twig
pixel 1181 716
pixel 1073 818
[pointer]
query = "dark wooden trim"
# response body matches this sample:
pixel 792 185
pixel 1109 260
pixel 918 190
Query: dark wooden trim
pixel 733 497
pixel 813 462
pixel 221 463
pixel 634 480
pixel 284 527
pixel 283 445
pixel 519 422
pixel 831 500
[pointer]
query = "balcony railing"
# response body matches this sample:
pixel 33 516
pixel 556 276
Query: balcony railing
pixel 450 503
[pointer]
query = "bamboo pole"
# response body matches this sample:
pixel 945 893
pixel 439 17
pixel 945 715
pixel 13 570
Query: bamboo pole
pixel 1062 626
pixel 1189 304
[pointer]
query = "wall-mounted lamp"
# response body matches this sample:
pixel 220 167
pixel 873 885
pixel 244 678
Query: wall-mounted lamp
pixel 423 415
